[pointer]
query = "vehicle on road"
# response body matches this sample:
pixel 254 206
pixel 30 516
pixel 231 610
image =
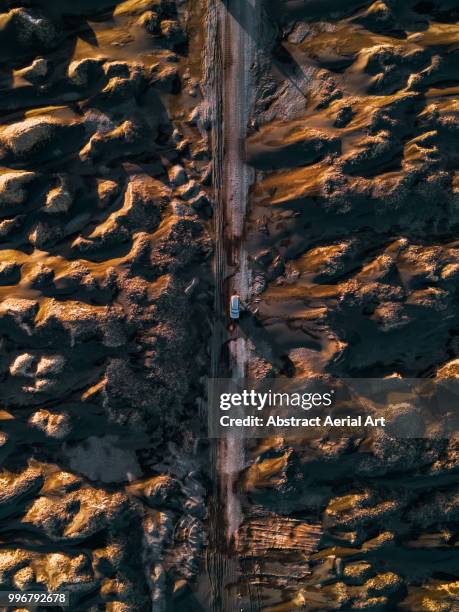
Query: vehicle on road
pixel 235 307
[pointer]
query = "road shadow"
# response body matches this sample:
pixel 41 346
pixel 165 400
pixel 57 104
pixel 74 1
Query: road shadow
pixel 248 18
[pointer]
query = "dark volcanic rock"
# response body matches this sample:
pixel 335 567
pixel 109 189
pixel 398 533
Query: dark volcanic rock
pixel 102 347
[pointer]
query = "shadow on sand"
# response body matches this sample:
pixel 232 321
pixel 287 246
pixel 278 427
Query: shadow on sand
pixel 248 17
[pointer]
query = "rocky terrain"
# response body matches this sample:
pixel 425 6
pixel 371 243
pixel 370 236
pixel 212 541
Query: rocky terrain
pixel 104 300
pixel 353 233
pixel 107 291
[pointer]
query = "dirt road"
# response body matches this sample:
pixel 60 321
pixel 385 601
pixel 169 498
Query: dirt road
pixel 233 25
pixel 239 54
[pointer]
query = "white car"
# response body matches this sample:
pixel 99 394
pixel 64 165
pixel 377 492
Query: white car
pixel 235 307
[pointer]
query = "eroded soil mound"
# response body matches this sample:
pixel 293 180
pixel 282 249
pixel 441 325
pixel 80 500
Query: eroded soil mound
pixel 353 234
pixel 104 295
